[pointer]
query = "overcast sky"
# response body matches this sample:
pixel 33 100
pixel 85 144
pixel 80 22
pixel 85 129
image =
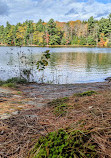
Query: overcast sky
pixel 16 11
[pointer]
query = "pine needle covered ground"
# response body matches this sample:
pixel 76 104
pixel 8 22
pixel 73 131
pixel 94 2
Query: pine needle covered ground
pixel 88 114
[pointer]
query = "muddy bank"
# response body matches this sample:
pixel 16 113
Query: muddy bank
pixel 43 93
pixel 35 95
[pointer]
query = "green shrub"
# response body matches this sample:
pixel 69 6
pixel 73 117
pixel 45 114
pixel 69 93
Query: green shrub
pixel 75 40
pixel 87 93
pixel 60 106
pixel 61 110
pixel 83 41
pixel 63 41
pixel 109 44
pixel 1 83
pixel 12 82
pixel 11 85
pixel 16 80
pixel 58 102
pixel 61 144
pixel 91 40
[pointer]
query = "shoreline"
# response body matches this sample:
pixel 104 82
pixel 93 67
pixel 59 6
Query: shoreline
pixel 87 46
pixel 37 95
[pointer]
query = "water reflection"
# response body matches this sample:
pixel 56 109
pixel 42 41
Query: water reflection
pixel 67 65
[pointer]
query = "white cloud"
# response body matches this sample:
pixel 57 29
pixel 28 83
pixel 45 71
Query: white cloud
pixel 86 9
pixel 63 10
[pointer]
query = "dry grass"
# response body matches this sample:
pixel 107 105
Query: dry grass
pixel 19 133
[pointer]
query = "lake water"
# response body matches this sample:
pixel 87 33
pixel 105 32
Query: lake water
pixel 67 65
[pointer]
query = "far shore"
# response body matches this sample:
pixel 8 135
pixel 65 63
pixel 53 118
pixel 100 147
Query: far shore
pixel 89 46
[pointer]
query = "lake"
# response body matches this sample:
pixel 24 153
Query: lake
pixel 66 65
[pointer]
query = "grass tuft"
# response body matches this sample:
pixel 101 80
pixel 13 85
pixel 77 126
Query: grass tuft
pixel 58 102
pixel 60 106
pixel 10 85
pixel 60 110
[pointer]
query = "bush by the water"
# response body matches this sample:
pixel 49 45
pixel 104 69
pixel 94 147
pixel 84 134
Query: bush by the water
pixel 16 80
pixel 11 83
pixel 1 83
pixel 63 144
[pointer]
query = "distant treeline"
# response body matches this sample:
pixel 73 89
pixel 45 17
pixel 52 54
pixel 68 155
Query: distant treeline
pixel 91 32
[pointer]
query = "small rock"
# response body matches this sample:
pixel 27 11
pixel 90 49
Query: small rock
pixel 31 116
pixel 15 113
pixel 31 102
pixel 90 107
pixel 20 106
pixel 17 96
pixel 2 132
